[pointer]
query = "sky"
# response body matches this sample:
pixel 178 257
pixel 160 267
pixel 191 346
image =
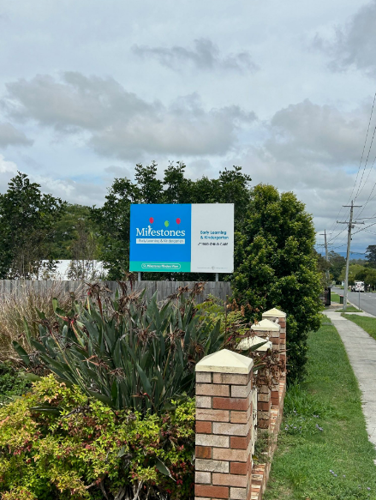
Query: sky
pixel 89 89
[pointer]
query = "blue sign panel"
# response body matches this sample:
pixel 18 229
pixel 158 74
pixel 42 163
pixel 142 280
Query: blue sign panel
pixel 160 238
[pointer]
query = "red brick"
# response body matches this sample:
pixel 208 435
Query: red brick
pixel 265 406
pixel 231 404
pixel 239 443
pixel 203 427
pixel 238 468
pixel 211 491
pixel 203 452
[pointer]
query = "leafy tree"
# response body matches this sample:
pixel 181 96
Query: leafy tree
pixel 337 263
pixel 370 278
pixel 356 272
pixel 323 266
pixel 371 255
pixel 361 274
pixel 275 266
pixel 75 235
pixel 27 219
pixel 113 218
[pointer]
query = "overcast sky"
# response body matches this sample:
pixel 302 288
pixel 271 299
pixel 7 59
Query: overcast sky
pixel 284 89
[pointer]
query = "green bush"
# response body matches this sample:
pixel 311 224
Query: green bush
pixel 58 443
pixel 130 353
pixel 11 384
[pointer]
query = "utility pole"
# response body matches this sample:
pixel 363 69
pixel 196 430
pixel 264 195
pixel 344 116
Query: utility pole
pixel 326 256
pixel 350 227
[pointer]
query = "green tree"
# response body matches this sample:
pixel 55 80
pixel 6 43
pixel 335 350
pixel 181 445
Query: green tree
pixel 337 264
pixel 371 255
pixel 27 219
pixel 323 266
pixel 370 278
pixel 356 272
pixel 75 234
pixel 275 266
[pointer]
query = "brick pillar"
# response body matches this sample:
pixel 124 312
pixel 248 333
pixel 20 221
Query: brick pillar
pixel 262 393
pixel 224 434
pixel 279 317
pixel 271 330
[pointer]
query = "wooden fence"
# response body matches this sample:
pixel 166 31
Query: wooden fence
pixel 219 289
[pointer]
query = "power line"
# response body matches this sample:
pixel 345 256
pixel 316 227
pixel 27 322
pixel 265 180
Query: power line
pixel 360 164
pixel 365 164
pixel 373 187
pixel 364 146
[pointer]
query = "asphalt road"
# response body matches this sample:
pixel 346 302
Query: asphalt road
pixel 367 300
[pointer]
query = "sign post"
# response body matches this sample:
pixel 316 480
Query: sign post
pixel 185 238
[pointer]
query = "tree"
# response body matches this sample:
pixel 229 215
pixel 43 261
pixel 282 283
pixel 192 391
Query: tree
pixel 323 266
pixel 275 266
pixel 356 272
pixel 75 233
pixel 370 278
pixel 27 219
pixel 113 218
pixel 371 256
pixel 337 264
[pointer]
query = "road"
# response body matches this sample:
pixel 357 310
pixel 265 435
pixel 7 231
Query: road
pixel 367 300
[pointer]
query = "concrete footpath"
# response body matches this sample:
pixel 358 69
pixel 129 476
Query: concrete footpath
pixel 361 350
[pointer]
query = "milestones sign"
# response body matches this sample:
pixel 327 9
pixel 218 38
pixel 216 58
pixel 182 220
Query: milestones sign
pixel 184 238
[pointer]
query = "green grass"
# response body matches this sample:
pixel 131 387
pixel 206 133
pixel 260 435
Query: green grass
pixel 334 297
pixel 349 309
pixel 328 400
pixel 368 324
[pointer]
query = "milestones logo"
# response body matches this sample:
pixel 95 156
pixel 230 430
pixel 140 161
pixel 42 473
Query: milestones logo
pixel 149 233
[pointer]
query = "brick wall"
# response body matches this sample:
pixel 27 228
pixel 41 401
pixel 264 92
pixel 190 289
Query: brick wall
pixel 225 419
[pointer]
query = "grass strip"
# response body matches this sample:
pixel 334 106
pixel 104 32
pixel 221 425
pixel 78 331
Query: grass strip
pixel 368 324
pixel 334 297
pixel 323 450
pixel 349 309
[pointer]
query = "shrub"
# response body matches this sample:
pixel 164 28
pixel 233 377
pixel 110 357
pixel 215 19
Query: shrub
pixel 11 384
pixel 56 442
pixel 130 352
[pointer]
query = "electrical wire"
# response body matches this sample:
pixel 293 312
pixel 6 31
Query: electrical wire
pixel 360 162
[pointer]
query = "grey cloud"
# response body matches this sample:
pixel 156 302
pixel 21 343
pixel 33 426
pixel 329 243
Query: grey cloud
pixel 76 102
pixel 119 123
pixel 306 134
pixel 117 171
pixel 205 55
pixel 10 136
pixel 353 45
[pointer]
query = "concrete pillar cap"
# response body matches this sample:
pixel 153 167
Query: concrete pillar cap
pixel 225 361
pixel 266 326
pixel 248 342
pixel 274 313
